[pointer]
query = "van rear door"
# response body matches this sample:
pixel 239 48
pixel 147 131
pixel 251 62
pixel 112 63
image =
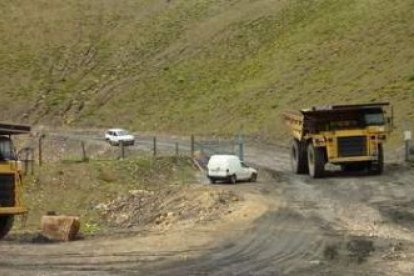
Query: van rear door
pixel 217 167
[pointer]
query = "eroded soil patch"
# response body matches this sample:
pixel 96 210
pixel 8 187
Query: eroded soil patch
pixel 188 205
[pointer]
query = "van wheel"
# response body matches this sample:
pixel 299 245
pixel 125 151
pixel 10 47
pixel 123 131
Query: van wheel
pixel 253 178
pixel 6 224
pixel 316 161
pixel 233 179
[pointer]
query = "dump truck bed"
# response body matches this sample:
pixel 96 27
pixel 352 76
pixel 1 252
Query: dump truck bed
pixel 314 119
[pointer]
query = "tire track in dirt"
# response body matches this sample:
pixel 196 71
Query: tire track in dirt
pixel 280 242
pixel 299 243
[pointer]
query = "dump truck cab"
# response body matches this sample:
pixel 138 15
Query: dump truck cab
pixel 10 177
pixel 351 136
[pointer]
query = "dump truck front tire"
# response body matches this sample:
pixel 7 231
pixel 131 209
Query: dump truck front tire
pixel 377 167
pixel 298 158
pixel 6 224
pixel 316 161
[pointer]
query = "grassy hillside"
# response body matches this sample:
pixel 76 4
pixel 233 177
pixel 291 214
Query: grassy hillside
pixel 201 66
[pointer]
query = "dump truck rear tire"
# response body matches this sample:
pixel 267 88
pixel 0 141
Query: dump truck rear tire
pixel 6 224
pixel 316 161
pixel 298 158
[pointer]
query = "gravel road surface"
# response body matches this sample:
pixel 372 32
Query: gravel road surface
pixel 344 224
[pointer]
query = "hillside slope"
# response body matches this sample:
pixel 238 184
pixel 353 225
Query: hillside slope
pixel 202 66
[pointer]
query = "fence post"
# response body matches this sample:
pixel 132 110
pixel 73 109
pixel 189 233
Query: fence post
pixel 41 149
pixel 177 153
pixel 32 160
pixel 26 160
pixel 155 146
pixel 407 142
pixel 122 147
pixel 241 146
pixel 192 146
pixel 84 157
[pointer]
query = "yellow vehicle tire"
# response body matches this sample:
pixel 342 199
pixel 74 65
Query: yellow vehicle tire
pixel 377 167
pixel 298 158
pixel 6 224
pixel 316 161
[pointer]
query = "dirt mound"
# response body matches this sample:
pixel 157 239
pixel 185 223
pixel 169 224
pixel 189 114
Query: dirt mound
pixel 187 205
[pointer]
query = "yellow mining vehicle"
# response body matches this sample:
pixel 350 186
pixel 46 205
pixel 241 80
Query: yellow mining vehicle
pixel 10 177
pixel 351 136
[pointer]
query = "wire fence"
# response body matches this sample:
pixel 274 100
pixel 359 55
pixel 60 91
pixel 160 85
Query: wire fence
pixel 77 147
pixel 218 146
pixel 84 146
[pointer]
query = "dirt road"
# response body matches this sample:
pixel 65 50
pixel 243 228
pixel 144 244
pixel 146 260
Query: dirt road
pixel 287 225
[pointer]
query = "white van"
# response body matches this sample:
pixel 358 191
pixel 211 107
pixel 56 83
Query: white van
pixel 229 168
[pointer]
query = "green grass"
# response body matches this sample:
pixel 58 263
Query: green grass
pixel 205 67
pixel 72 188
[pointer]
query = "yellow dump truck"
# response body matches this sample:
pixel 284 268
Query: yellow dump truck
pixel 10 177
pixel 351 136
